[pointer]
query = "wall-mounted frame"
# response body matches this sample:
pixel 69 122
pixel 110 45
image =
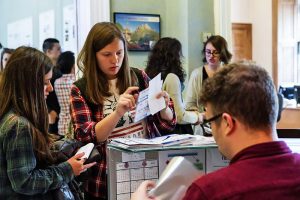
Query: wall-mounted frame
pixel 140 30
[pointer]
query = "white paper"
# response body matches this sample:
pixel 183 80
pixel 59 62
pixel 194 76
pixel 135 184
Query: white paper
pixel 123 196
pixel 87 149
pixel 20 33
pixel 151 173
pixel 123 175
pixel 167 140
pixel 46 26
pixel 69 28
pixel 142 106
pixel 133 156
pixel 147 102
pixel 155 86
pixel 175 180
pixel 137 174
pixel 123 187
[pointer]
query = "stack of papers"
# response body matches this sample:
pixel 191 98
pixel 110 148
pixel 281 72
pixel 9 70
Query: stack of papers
pixel 168 140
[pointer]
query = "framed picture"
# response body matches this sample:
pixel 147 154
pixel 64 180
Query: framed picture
pixel 140 30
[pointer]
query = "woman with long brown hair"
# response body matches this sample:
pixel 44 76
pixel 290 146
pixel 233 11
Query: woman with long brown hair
pixel 26 163
pixel 103 101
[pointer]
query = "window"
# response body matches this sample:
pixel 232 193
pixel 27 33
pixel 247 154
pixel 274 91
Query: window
pixel 288 41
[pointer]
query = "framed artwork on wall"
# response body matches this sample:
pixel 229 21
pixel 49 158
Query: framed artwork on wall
pixel 140 30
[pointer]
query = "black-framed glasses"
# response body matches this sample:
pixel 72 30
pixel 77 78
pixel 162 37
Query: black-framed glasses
pixel 213 53
pixel 205 121
pixel 206 129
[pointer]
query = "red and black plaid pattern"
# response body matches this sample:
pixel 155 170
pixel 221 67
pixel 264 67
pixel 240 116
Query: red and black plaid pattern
pixel 84 120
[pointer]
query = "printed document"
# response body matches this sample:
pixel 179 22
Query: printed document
pixel 147 102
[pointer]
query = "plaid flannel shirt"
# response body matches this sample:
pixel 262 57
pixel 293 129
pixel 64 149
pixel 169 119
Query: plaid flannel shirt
pixel 84 120
pixel 62 87
pixel 20 177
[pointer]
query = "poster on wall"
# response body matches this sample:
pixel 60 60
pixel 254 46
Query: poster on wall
pixel 140 30
pixel 20 33
pixel 46 26
pixel 69 29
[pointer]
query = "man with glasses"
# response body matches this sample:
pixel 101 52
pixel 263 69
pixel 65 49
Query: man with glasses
pixel 241 106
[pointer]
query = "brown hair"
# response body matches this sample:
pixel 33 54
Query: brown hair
pixel 22 89
pixel 99 36
pixel 244 91
pixel 165 57
pixel 221 46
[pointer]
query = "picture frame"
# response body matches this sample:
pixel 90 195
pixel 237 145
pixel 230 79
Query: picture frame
pixel 140 30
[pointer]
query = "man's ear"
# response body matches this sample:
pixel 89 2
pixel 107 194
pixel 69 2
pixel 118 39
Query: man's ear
pixel 229 123
pixel 48 52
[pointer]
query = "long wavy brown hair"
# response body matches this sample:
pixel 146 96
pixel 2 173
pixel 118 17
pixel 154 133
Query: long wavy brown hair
pixel 22 90
pixel 165 57
pixel 99 36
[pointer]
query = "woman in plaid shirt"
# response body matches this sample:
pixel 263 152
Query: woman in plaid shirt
pixel 103 100
pixel 26 164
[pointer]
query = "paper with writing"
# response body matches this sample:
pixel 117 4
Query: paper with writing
pixel 147 102
pixel 155 104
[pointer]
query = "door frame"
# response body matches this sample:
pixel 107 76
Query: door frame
pixel 275 41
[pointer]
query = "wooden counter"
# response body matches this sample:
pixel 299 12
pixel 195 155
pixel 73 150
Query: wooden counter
pixel 290 119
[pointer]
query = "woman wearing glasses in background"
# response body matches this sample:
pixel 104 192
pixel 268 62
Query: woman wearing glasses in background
pixel 215 54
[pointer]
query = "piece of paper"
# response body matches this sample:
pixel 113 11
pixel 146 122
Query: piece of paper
pixel 155 104
pixel 142 107
pixel 147 102
pixel 174 181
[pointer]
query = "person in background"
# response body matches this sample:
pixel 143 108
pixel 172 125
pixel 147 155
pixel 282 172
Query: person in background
pixel 26 163
pixel 103 101
pixel 62 86
pixel 165 58
pixel 215 54
pixel 5 55
pixel 52 49
pixel 242 106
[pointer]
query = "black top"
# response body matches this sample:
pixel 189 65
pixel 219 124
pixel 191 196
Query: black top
pixel 204 75
pixel 52 101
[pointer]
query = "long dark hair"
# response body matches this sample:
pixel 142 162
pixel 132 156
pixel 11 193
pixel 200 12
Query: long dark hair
pixel 22 90
pixel 100 36
pixel 221 46
pixel 165 57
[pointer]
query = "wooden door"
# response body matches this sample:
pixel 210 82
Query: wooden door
pixel 241 41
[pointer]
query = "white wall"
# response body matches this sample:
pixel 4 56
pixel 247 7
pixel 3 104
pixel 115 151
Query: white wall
pixel 259 14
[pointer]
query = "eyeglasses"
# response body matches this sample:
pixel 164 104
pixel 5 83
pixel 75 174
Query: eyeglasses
pixel 213 53
pixel 206 129
pixel 205 121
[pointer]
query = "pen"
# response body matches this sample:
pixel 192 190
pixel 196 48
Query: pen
pixel 166 138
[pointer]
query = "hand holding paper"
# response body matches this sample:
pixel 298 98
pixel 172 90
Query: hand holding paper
pixel 151 100
pixel 156 104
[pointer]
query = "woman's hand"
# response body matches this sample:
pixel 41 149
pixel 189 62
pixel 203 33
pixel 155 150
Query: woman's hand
pixel 127 101
pixel 165 113
pixel 141 192
pixel 77 164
